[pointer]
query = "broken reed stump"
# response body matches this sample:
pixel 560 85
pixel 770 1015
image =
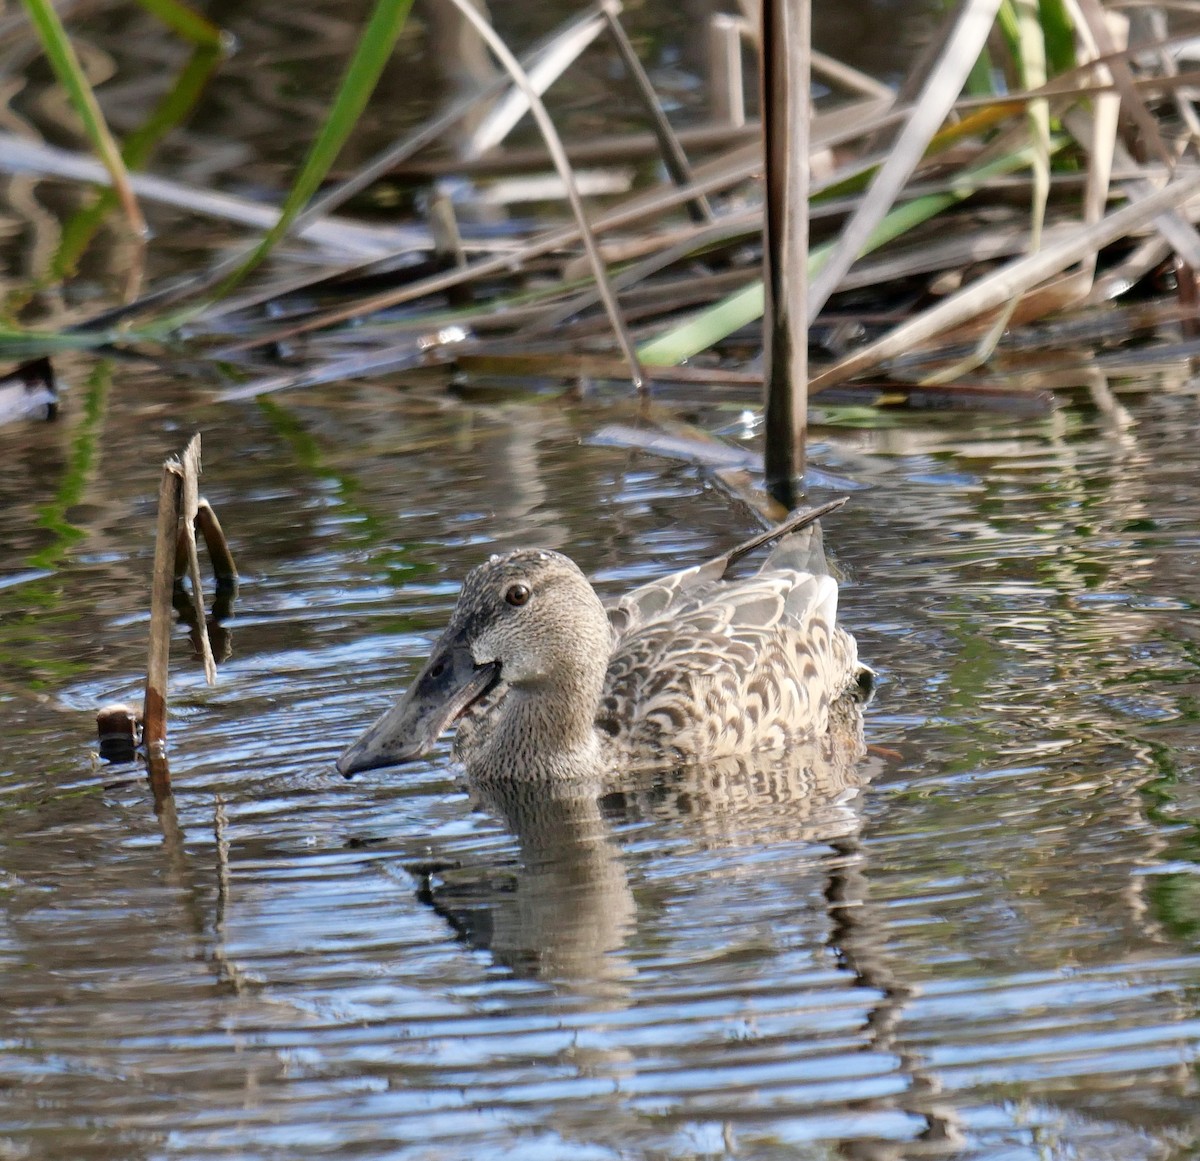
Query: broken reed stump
pixel 154 707
pixel 117 730
pixel 180 512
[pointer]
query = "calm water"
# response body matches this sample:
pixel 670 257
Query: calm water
pixel 981 941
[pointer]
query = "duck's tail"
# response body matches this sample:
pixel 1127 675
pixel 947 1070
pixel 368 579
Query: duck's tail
pixel 792 525
pixel 801 547
pixel 802 551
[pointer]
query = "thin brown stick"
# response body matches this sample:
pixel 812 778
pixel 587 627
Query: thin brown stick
pixel 722 232
pixel 190 505
pixel 606 149
pixel 154 708
pixel 673 155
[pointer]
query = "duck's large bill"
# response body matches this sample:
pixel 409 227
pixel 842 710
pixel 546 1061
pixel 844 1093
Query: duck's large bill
pixel 448 685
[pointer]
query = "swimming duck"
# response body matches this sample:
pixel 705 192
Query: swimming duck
pixel 544 680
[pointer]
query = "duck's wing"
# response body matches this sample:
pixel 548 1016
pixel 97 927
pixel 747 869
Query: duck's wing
pixel 747 666
pixel 650 601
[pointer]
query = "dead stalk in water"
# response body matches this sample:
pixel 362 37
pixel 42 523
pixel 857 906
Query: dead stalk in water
pixel 180 512
pixel 154 710
pixel 786 100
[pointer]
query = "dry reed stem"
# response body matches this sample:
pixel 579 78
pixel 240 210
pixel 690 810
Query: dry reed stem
pixel 1091 25
pixel 938 96
pixel 726 82
pixel 224 568
pixel 787 116
pixel 1013 279
pixel 154 708
pixel 544 64
pixel 190 506
pixel 673 156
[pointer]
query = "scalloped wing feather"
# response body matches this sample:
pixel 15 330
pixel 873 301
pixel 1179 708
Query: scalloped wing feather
pixel 751 666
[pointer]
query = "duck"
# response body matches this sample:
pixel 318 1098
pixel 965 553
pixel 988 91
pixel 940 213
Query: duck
pixel 545 680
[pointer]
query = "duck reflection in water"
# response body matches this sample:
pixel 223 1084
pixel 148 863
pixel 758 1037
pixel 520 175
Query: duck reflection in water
pixel 564 910
pixel 733 705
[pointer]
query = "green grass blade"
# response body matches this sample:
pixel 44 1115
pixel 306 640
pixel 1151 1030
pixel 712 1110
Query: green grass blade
pixel 21 343
pixel 740 309
pixel 710 326
pixel 1059 31
pixel 374 47
pixel 980 82
pixel 183 21
pixel 174 107
pixel 79 230
pixel 61 54
pixel 1031 63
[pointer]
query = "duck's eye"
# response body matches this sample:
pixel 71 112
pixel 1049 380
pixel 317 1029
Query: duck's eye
pixel 517 595
pixel 438 669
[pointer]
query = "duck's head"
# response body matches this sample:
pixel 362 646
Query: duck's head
pixel 528 619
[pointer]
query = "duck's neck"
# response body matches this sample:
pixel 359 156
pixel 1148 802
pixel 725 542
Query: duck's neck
pixel 548 728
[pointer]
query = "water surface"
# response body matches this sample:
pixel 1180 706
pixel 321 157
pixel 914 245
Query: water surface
pixel 983 944
pixel 978 940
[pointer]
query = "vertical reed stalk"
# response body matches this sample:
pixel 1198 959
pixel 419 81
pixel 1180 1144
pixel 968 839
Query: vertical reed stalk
pixel 786 49
pixel 726 100
pixel 154 710
pixel 190 505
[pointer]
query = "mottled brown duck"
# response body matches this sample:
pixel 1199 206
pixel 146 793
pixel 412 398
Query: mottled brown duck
pixel 545 680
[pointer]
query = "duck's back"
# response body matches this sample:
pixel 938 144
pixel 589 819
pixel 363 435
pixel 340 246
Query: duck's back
pixel 702 667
